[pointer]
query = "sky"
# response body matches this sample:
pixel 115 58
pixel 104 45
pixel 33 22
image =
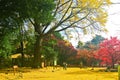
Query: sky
pixel 112 25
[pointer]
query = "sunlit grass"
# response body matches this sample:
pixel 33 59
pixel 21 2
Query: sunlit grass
pixel 59 74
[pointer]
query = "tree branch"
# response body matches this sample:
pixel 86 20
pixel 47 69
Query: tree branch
pixel 56 8
pixel 73 23
pixel 64 3
pixel 66 12
pixel 31 21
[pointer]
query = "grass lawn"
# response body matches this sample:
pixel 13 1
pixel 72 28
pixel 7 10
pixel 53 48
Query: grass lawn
pixel 59 74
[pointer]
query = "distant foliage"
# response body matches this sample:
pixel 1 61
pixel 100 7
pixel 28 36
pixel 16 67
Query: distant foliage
pixel 90 44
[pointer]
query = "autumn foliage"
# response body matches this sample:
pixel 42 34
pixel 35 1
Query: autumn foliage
pixel 67 53
pixel 85 57
pixel 109 52
pixel 62 49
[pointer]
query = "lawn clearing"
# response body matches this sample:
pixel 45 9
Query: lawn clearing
pixel 60 74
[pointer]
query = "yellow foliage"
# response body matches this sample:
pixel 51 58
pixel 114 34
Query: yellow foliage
pixel 67 43
pixel 62 1
pixel 80 8
pixel 102 18
pixel 105 30
pixel 108 1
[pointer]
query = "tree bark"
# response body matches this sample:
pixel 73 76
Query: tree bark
pixel 37 50
pixel 113 64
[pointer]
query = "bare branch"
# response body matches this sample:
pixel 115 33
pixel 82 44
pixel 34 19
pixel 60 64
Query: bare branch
pixel 56 8
pixel 31 21
pixel 55 15
pixel 66 11
pixel 73 23
pixel 86 26
pixel 64 3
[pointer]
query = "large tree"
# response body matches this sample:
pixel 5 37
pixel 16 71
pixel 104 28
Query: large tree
pixel 81 15
pixel 76 14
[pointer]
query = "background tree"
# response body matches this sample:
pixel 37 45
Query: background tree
pixel 49 52
pixel 84 58
pixel 97 40
pixel 66 53
pixel 9 26
pixel 92 43
pixel 109 51
pixel 86 51
pixel 56 48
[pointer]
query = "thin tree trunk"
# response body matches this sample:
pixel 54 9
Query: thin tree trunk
pixel 22 45
pixel 22 53
pixel 113 62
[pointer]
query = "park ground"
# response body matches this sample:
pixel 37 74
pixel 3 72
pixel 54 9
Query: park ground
pixel 58 74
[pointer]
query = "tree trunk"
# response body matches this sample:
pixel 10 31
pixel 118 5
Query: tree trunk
pixel 22 53
pixel 37 50
pixel 113 62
